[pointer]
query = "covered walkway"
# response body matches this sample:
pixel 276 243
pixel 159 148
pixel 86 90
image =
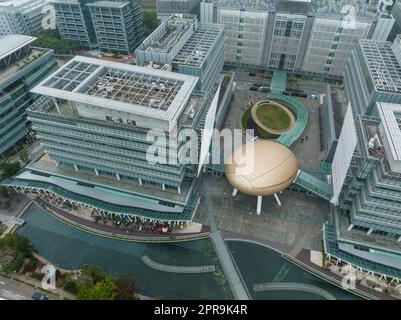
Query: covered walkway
pixel 314 185
pixel 279 82
pixel 103 206
pixel 289 137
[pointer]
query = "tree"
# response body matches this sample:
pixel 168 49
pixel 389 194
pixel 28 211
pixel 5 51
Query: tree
pixel 125 288
pixel 8 169
pixel 103 290
pixel 52 40
pixel 17 248
pixel 149 20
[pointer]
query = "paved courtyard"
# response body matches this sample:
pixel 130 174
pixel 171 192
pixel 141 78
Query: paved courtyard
pixel 299 220
pixel 296 223
pixel 307 148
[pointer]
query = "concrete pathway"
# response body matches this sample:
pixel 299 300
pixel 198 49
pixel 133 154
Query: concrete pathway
pixel 231 272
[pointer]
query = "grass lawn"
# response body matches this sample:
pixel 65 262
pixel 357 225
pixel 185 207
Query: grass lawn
pixel 273 117
pixel 248 123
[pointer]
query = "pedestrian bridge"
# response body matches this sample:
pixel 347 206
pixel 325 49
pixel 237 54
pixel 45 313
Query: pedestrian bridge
pixel 287 286
pixel 177 269
pixel 11 220
pixel 314 185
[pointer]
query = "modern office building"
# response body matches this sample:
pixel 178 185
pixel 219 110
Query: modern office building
pixel 366 174
pixel 165 8
pixel 93 119
pixel 113 26
pixel 292 35
pixel 118 25
pixel 331 120
pixel 74 22
pixel 246 33
pixel 396 13
pixel 21 16
pixel 188 47
pixel 163 44
pixel 21 68
pixel 291 31
pixel 331 42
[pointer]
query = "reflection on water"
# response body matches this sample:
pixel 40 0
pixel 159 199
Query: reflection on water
pixel 259 264
pixel 70 248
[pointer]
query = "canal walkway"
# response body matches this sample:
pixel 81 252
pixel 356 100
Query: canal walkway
pixel 177 269
pixel 303 260
pixel 116 233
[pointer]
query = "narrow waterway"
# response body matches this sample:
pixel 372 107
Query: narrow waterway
pixel 71 248
pixel 259 264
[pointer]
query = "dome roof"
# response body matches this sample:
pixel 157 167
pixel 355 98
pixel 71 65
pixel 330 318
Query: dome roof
pixel 272 169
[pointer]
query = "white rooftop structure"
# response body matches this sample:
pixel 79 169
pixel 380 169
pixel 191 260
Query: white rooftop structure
pixel 390 130
pixel 120 87
pixel 12 43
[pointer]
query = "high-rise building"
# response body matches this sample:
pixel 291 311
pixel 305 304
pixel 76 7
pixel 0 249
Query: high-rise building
pixel 94 119
pixel 118 25
pixel 188 47
pixel 74 22
pixel 331 42
pixel 366 170
pixel 292 35
pixel 21 16
pixel 246 33
pixel 113 26
pixel 21 68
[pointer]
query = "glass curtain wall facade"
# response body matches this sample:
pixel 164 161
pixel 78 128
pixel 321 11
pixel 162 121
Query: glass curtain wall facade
pixel 20 70
pixel 118 25
pixel 245 35
pixel 74 22
pixel 331 42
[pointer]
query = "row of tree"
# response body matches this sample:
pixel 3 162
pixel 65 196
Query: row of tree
pixel 52 40
pixel 94 284
pixel 15 251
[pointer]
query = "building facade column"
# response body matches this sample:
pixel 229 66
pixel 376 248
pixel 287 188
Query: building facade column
pixel 259 205
pixel 277 199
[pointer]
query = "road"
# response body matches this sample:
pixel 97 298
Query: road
pixel 11 289
pixel 244 81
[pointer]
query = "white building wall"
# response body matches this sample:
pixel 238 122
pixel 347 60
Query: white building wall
pixel 331 43
pixel 343 156
pixel 206 12
pixel 383 28
pixel 245 35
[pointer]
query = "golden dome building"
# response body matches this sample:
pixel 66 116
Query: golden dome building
pixel 269 169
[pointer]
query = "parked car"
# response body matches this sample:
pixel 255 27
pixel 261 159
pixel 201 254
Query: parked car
pixel 294 94
pixel 264 89
pixel 253 88
pixel 303 95
pixel 314 96
pixel 252 74
pixel 286 93
pixel 39 296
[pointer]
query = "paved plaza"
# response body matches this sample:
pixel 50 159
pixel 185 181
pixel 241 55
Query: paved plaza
pixel 299 220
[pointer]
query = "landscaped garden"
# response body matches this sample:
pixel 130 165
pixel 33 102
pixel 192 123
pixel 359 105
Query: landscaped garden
pixel 269 119
pixel 273 116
